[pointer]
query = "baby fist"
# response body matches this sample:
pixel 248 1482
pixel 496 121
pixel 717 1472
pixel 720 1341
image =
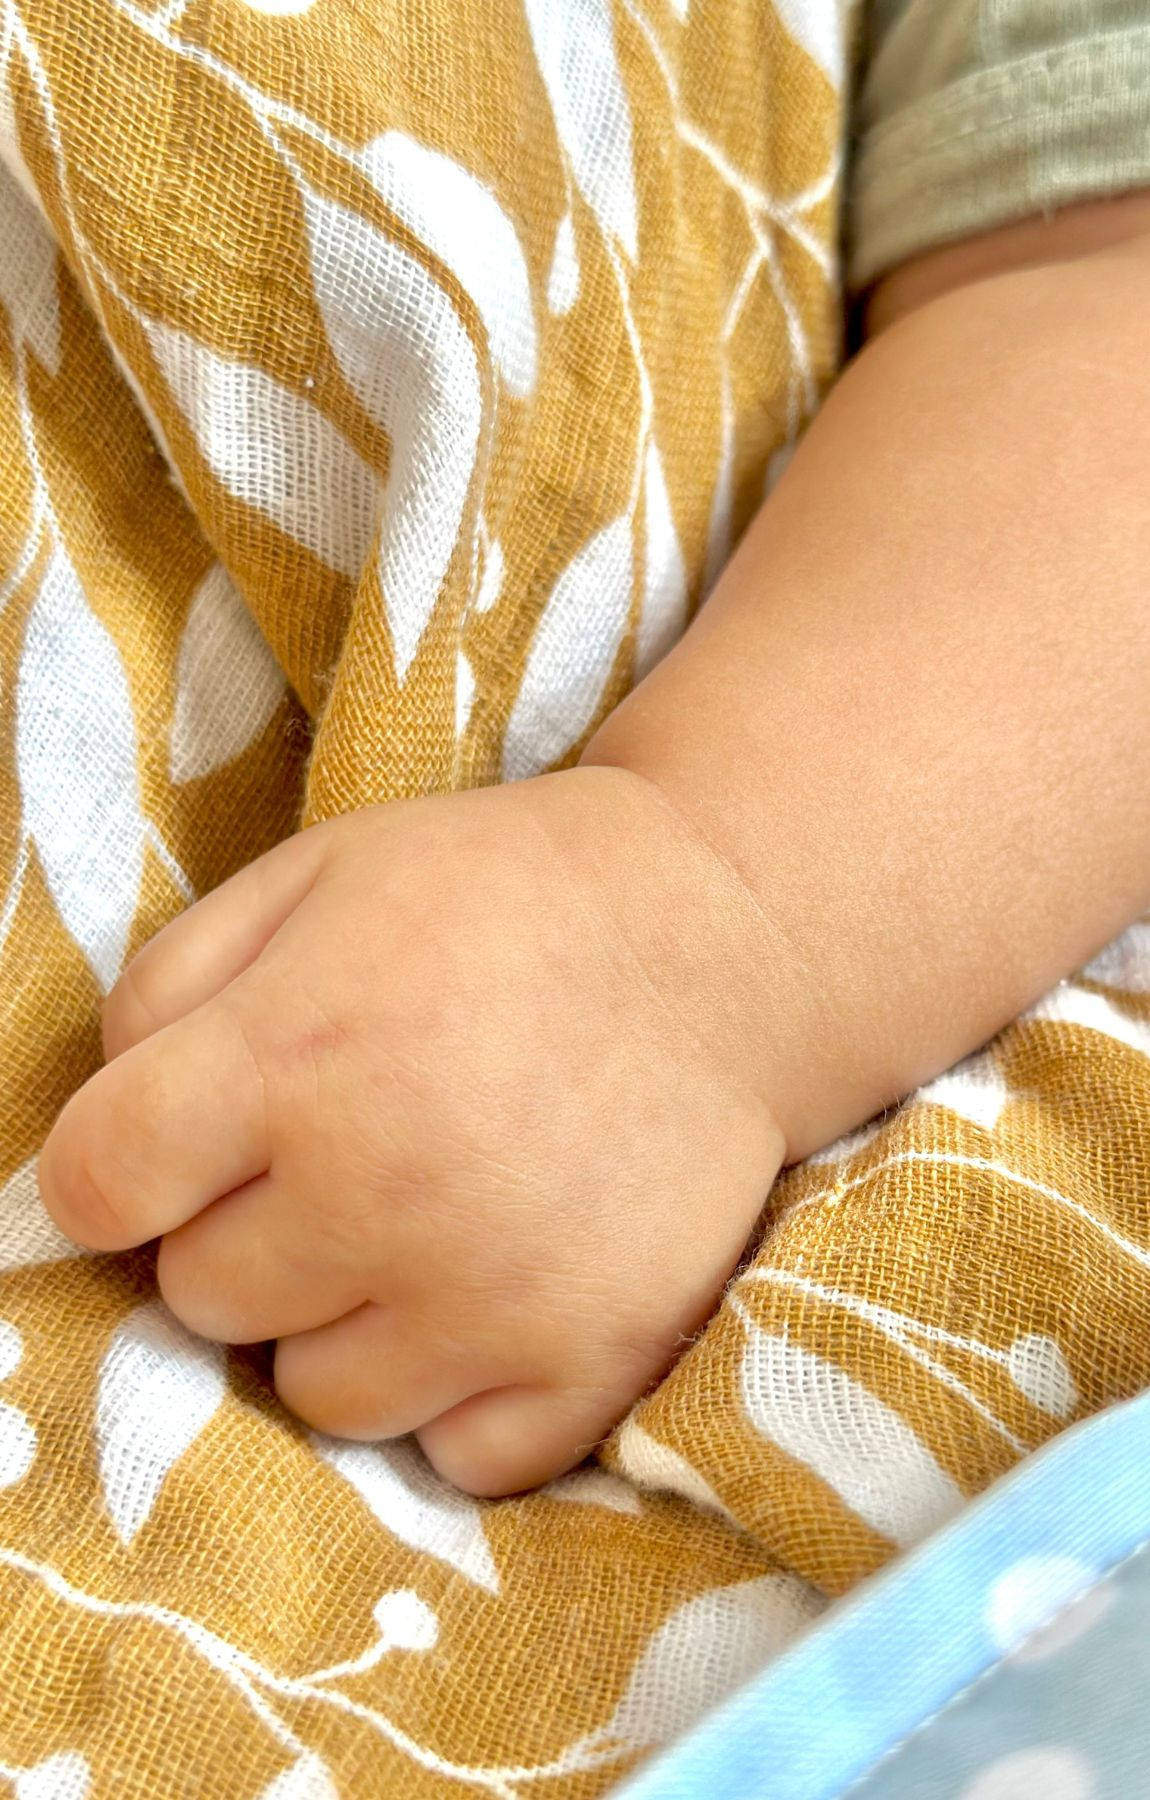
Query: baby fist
pixel 445 1097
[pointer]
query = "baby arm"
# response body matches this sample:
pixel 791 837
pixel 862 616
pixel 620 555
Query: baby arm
pixel 471 1102
pixel 915 714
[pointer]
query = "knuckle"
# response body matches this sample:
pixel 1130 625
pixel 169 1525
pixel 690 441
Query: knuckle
pixel 260 1070
pixel 461 1454
pixel 130 1011
pixel 171 1279
pixel 330 1406
pixel 204 1306
pixel 298 1396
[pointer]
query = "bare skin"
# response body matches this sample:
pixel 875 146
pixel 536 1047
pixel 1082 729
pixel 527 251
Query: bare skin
pixel 472 1102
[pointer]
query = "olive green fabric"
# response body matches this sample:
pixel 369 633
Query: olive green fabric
pixel 976 112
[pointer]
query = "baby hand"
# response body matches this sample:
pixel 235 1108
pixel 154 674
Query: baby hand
pixel 446 1097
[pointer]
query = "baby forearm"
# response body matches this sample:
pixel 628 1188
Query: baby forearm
pixel 915 714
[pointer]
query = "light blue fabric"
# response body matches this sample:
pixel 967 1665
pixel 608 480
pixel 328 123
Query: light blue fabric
pixel 1021 1631
pixel 1065 1718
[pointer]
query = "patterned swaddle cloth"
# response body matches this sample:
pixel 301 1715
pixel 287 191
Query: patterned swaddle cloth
pixel 381 386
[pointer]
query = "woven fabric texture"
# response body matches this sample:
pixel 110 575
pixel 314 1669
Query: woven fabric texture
pixel 380 388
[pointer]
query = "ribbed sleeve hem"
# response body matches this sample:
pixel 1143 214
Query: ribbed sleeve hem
pixel 1023 137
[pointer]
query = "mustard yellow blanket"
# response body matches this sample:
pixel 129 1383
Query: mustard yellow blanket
pixel 381 384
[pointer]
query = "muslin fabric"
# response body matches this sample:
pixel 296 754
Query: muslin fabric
pixel 381 387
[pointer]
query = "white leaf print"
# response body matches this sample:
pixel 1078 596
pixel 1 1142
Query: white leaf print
pixel 409 1500
pixel 17 1436
pixel 159 1387
pixel 820 27
pixel 464 692
pixel 574 44
pixel 463 224
pixel 10 154
pixel 851 1145
pixel 67 1776
pixel 563 280
pixel 405 1621
pixel 853 1441
pixel 27 1235
pixel 595 1487
pixel 1071 1005
pixel 664 577
pixel 1039 1370
pixel 74 713
pixel 308 1779
pixel 651 1464
pixel 17 1445
pixel 708 1647
pixel 1125 963
pixel 11 1349
pixel 272 449
pixel 974 1089
pixel 228 683
pixel 723 498
pixel 575 645
pixel 405 352
pixel 28 274
pixel 491 582
pixel 681 8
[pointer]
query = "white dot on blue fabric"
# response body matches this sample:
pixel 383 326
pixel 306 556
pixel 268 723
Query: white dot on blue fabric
pixel 1052 1772
pixel 1030 1593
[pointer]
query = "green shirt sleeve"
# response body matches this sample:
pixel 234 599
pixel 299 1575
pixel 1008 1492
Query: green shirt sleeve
pixel 971 113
